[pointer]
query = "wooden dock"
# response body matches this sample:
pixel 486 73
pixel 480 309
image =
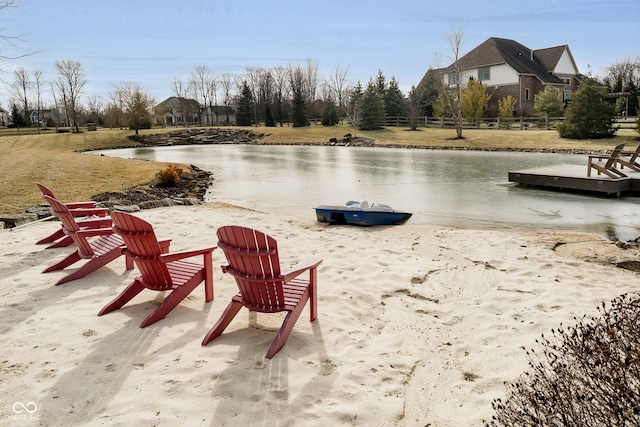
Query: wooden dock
pixel 574 177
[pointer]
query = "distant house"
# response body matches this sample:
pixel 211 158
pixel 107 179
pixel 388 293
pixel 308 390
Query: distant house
pixel 510 68
pixel 48 115
pixel 175 111
pixel 4 117
pixel 218 115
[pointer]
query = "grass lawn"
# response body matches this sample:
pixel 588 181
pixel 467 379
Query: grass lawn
pixel 54 158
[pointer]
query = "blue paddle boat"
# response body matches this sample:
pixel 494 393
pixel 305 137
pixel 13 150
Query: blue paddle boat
pixel 361 213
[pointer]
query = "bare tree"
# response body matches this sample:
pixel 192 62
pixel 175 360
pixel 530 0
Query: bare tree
pixel 21 85
pixel 9 40
pixel 95 107
pixel 226 84
pixel 38 82
pixel 181 91
pixel 414 106
pixel 452 88
pixel 56 103
pixel 253 80
pixel 339 85
pixel 136 104
pixel 625 72
pixel 204 86
pixel 70 86
pixel 280 88
pixel 311 85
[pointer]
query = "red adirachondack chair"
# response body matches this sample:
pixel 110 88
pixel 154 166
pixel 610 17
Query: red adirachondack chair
pixel 159 271
pixel 253 262
pixel 99 246
pixel 77 209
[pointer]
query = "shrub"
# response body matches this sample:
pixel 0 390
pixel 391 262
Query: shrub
pixel 169 176
pixel 586 375
pixel 587 115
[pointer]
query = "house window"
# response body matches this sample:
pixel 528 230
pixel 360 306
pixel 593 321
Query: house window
pixel 527 94
pixel 484 73
pixel 566 94
pixel 452 79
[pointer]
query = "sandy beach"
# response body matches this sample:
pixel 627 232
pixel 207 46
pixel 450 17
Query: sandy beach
pixel 418 326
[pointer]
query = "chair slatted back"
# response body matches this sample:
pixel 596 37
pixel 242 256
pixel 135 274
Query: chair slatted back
pixel 254 262
pixel 615 154
pixel 634 156
pixel 45 191
pixel 70 226
pixel 142 245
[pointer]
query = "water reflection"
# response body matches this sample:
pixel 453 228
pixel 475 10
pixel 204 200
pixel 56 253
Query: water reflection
pixel 457 188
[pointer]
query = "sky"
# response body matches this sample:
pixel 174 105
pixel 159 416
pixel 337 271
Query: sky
pixel 151 43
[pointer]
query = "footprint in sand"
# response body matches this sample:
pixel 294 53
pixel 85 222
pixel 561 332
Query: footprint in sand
pixel 327 367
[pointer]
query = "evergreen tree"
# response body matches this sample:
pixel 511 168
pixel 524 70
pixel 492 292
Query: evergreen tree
pixel 429 88
pixel 548 103
pixel 394 101
pixel 330 116
pixel 354 101
pixel 371 108
pixel 414 107
pixel 268 116
pixel 299 111
pixel 381 83
pixel 587 115
pixel 17 119
pixel 244 112
pixel 474 99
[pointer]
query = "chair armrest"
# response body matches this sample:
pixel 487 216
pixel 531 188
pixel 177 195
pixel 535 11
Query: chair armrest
pixel 88 211
pixel 175 256
pixel 90 232
pixel 598 156
pixel 301 267
pixel 81 205
pixel 95 223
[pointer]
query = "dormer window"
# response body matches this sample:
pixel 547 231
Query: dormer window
pixel 484 73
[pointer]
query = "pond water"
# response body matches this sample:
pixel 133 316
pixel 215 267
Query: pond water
pixel 451 188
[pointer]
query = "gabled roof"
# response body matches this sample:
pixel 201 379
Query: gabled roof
pixel 496 51
pixel 176 102
pixel 550 56
pixel 222 109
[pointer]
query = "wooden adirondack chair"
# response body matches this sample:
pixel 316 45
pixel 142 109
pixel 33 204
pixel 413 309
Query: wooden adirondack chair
pixel 629 159
pixel 253 261
pixel 77 209
pixel 99 252
pixel 609 167
pixel 160 271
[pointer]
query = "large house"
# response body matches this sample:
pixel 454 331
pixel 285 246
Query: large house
pixel 177 111
pixel 180 111
pixel 510 68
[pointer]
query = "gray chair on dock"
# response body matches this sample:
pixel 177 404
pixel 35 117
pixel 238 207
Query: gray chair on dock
pixel 607 167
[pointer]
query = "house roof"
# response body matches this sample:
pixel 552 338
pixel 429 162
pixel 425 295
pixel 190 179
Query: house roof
pixel 176 102
pixel 525 61
pixel 222 109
